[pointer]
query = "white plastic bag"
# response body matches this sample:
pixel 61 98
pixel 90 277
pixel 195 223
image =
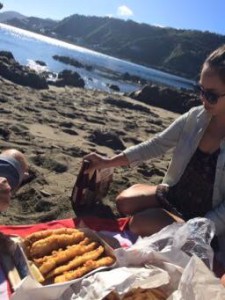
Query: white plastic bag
pixel 169 250
pixel 198 283
pixel 175 243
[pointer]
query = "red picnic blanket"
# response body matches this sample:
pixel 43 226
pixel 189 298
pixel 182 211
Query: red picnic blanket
pixel 112 227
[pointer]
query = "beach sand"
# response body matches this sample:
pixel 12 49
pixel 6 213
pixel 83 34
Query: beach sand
pixel 55 128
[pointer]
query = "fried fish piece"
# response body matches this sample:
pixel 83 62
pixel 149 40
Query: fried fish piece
pixel 77 261
pixel 46 246
pixel 33 237
pixel 39 261
pixel 64 256
pixel 87 267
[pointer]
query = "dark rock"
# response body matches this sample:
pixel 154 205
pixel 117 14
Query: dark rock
pixel 108 139
pixel 114 87
pixel 167 98
pixel 133 78
pixel 6 54
pixel 41 63
pixel 68 60
pixel 71 61
pixel 70 78
pixel 13 71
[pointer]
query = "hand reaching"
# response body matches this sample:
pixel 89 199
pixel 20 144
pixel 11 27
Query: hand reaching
pixel 96 161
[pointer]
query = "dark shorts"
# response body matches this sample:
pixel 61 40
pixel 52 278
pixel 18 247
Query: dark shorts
pixel 162 197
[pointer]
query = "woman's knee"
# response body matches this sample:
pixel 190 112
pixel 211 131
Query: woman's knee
pixel 149 221
pixel 123 205
pixel 136 198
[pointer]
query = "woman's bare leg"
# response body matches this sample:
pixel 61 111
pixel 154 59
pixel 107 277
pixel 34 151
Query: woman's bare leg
pixel 147 217
pixel 137 198
pixel 152 220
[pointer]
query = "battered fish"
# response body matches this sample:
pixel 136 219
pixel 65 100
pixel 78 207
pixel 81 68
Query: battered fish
pixel 87 267
pixel 33 237
pixel 64 256
pixel 46 246
pixel 39 261
pixel 77 261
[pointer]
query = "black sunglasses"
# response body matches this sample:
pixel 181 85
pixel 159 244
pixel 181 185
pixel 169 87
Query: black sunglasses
pixel 211 97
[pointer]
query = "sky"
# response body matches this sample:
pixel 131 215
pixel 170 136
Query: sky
pixel 205 15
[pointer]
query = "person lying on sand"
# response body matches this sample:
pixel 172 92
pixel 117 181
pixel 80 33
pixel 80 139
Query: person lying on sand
pixel 194 185
pixel 13 169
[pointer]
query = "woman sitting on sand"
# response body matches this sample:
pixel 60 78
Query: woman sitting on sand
pixel 194 184
pixel 13 169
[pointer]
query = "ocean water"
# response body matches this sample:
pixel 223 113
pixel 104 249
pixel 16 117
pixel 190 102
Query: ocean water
pixel 27 47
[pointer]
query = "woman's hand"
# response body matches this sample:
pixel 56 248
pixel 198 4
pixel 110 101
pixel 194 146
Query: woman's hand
pixel 97 161
pixel 101 162
pixel 5 193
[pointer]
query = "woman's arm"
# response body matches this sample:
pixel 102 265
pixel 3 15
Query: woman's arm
pixel 100 162
pixel 159 144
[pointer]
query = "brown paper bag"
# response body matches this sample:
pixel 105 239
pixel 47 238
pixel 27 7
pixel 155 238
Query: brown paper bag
pixel 90 188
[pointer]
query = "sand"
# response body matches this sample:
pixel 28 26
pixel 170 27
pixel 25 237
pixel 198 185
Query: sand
pixel 55 128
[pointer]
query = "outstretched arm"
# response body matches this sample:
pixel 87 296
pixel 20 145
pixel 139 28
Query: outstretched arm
pixel 159 144
pixel 100 162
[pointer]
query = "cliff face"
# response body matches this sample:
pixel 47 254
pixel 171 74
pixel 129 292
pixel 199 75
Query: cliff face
pixel 180 52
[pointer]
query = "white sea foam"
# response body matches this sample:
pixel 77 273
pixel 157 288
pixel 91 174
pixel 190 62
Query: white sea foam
pixel 36 67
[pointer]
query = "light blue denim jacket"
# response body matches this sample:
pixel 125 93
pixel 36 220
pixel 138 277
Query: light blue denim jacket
pixel 183 137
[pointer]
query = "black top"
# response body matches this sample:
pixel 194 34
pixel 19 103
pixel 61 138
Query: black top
pixel 192 195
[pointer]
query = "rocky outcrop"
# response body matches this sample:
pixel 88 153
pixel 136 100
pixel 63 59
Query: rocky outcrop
pixel 71 61
pixel 41 63
pixel 13 71
pixel 167 98
pixel 133 78
pixel 114 87
pixel 70 78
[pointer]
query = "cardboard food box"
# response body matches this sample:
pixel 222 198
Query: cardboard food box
pixel 24 279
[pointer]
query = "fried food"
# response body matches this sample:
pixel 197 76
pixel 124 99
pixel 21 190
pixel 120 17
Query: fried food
pixel 33 237
pixel 55 254
pixel 87 267
pixel 64 256
pixel 55 241
pixel 77 261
